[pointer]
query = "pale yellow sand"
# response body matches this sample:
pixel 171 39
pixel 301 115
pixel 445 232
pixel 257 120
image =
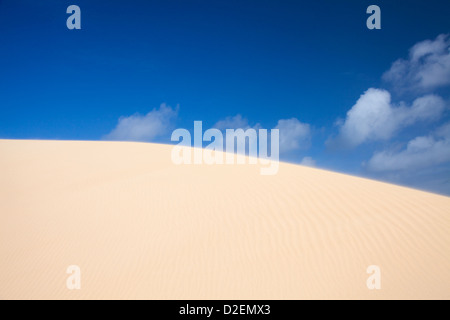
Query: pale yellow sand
pixel 140 227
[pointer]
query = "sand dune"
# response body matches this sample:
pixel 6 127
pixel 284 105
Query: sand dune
pixel 141 227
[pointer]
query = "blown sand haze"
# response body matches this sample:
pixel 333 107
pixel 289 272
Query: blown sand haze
pixel 141 227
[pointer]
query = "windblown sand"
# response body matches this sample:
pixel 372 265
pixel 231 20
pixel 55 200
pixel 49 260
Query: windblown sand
pixel 140 227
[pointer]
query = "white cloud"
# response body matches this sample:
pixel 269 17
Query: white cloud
pixel 421 152
pixel 146 128
pixel 308 162
pixel 236 122
pixel 444 131
pixel 427 67
pixel 294 135
pixel 375 118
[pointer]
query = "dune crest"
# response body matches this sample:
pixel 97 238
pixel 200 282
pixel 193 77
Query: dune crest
pixel 140 227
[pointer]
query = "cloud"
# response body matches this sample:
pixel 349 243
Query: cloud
pixel 294 135
pixel 444 131
pixel 236 122
pixel 375 118
pixel 421 152
pixel 145 128
pixel 308 162
pixel 427 67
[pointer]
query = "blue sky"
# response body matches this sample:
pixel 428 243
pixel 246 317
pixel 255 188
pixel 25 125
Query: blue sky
pixel 304 63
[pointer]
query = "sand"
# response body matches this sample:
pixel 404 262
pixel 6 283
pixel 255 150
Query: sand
pixel 140 227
